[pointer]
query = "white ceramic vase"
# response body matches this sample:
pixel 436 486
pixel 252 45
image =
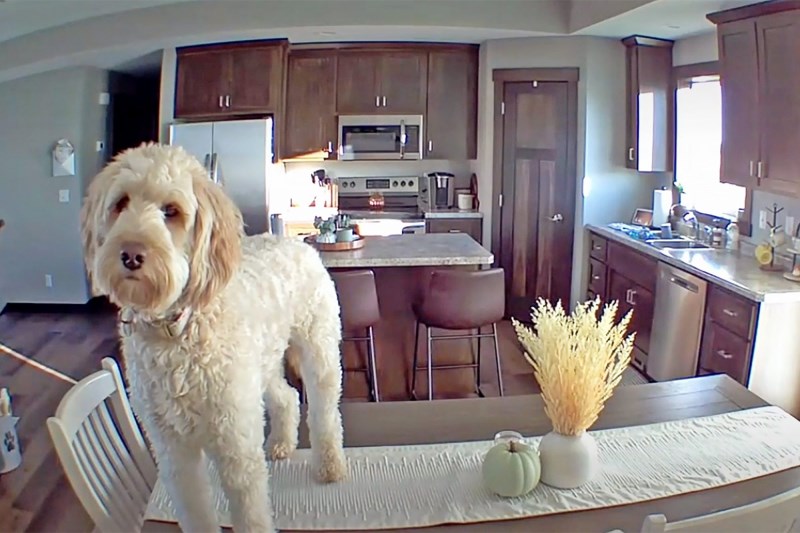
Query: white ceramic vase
pixel 568 461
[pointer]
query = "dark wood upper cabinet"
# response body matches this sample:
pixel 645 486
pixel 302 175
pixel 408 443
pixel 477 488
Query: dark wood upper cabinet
pixel 382 82
pixel 760 103
pixel 201 83
pixel 310 128
pixel 779 109
pixel 650 104
pixel 452 121
pixel 738 57
pixel 230 79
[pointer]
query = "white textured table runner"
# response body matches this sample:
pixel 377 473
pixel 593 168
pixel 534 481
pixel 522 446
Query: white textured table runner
pixel 425 485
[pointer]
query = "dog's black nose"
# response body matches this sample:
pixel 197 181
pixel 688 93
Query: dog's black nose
pixel 132 256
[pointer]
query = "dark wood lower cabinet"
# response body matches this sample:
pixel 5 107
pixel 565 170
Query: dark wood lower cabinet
pixel 618 272
pixel 471 226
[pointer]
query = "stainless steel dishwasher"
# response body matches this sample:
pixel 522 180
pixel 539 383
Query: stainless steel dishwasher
pixel 677 324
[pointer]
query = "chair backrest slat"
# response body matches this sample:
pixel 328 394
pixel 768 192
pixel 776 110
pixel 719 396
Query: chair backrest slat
pixel 103 451
pixel 118 453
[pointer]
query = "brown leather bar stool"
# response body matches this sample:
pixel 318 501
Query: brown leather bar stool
pixel 459 300
pixel 358 302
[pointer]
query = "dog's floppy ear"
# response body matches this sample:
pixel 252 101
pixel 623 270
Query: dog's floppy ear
pixel 216 250
pixel 93 216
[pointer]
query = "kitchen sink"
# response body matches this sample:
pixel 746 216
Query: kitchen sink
pixel 678 244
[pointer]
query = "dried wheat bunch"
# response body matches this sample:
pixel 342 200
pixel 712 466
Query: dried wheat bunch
pixel 578 360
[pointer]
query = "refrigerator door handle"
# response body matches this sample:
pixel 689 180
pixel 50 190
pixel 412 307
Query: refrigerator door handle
pixel 207 163
pixel 214 168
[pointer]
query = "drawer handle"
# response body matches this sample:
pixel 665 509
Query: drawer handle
pixel 455 231
pixel 596 247
pixel 629 295
pixel 596 277
pixel 732 314
pixel 724 354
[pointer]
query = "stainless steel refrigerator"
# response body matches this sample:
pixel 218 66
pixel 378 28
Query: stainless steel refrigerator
pixel 238 155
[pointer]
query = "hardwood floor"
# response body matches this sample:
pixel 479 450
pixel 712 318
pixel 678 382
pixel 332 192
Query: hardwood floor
pixel 36 497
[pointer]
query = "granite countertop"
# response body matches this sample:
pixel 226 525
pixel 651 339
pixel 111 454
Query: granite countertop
pixel 735 270
pixel 411 250
pixel 453 213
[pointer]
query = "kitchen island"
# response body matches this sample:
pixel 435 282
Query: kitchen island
pixel 401 264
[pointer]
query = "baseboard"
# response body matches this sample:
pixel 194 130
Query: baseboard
pixel 99 305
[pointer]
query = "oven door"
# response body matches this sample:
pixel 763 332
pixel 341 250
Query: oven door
pixel 380 137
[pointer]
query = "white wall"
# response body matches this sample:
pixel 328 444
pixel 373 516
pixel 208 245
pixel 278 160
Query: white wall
pixel 697 49
pixel 615 191
pixel 42 235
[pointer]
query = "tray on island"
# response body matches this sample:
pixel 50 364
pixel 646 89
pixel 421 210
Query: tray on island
pixel 355 244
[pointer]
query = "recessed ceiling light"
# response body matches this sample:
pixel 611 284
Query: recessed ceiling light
pixel 326 33
pixel 673 27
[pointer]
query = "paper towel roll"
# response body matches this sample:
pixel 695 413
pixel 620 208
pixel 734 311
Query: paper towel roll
pixel 662 202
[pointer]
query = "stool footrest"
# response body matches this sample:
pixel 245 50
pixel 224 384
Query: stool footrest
pixel 448 367
pixel 455 337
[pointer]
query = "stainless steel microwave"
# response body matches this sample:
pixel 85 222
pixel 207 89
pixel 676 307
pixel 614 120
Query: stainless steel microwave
pixel 375 137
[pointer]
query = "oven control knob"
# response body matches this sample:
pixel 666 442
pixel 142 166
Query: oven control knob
pixel 344 184
pixel 403 183
pixel 410 183
pixel 394 183
pixel 352 183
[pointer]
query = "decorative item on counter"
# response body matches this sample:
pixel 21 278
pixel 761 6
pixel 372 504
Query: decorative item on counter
pixel 765 252
pixel 376 201
pixel 732 236
pixel 336 234
pixel 594 352
pixel 326 228
pixel 344 229
pixel 794 273
pixel 10 456
pixel 511 468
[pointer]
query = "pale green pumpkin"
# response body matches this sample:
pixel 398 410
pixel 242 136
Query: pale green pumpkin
pixel 511 469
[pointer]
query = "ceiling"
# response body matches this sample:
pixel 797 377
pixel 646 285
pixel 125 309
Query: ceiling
pixel 109 33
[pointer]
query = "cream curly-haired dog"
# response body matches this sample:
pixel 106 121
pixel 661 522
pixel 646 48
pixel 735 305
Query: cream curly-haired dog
pixel 207 315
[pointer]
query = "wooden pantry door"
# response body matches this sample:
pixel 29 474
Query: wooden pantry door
pixel 535 142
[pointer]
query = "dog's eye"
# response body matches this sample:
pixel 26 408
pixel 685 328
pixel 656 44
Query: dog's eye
pixel 121 204
pixel 170 210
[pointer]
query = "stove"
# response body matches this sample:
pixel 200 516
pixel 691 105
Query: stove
pixel 380 197
pixel 385 205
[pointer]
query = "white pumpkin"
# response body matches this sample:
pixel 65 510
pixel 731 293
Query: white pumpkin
pixel 511 469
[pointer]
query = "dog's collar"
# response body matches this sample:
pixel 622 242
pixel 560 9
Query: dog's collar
pixel 172 325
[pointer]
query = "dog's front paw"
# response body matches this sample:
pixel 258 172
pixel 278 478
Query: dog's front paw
pixel 280 448
pixel 332 467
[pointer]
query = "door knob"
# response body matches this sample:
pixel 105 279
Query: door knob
pixel 556 218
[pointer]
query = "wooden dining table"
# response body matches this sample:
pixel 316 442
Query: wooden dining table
pixel 478 419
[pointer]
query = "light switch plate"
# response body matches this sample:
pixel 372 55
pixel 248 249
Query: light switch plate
pixel 63 196
pixel 762 219
pixel 99 146
pixel 789 226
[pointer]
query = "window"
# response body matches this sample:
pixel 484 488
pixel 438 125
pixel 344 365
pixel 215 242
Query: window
pixel 698 141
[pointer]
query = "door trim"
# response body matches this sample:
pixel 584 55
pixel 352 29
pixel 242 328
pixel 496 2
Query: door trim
pixel 502 76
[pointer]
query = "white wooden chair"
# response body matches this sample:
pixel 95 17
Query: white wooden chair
pixel 778 514
pixel 108 464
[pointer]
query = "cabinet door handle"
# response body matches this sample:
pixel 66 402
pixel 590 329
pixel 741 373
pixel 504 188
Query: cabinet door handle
pixel 227 100
pixel 724 354
pixel 728 312
pixel 633 295
pixel 330 147
pixel 377 101
pixel 384 101
pixel 752 169
pixel 221 100
pixel 596 277
pixel 430 146
pixel 760 169
pixel 630 154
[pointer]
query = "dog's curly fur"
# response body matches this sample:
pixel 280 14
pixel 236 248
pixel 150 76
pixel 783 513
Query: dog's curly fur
pixel 212 315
